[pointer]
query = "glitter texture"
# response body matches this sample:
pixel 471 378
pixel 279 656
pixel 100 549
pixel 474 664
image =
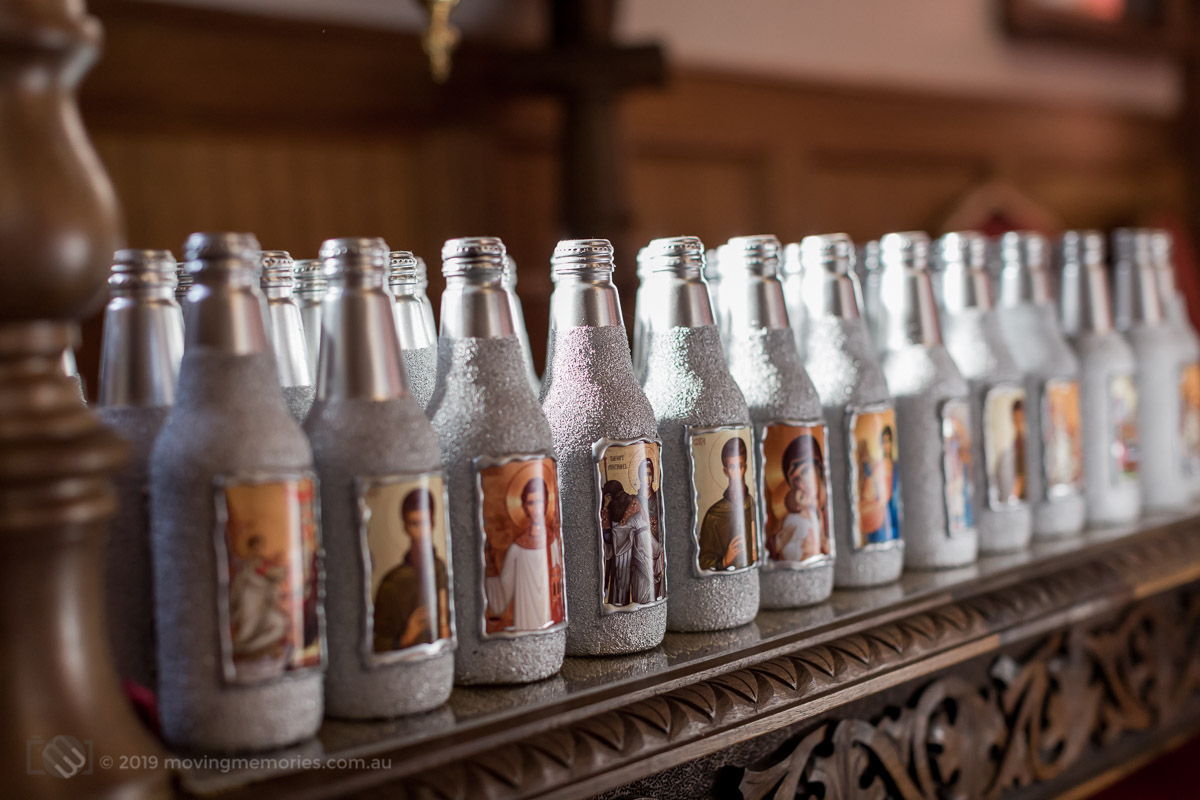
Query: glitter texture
pixel 483 406
pixel 229 420
pixel 922 378
pixel 1165 484
pixel 1036 342
pixel 766 366
pixel 1111 499
pixel 128 571
pixel 299 400
pixel 688 383
pixel 420 371
pixel 843 369
pixel 347 444
pixel 591 394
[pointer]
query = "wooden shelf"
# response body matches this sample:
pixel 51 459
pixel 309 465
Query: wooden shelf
pixel 604 723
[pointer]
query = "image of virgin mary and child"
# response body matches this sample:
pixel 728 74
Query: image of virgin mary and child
pixel 803 532
pixel 634 560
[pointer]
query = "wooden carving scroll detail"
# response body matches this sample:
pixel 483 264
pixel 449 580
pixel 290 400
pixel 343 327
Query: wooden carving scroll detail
pixel 1136 687
pixel 1034 717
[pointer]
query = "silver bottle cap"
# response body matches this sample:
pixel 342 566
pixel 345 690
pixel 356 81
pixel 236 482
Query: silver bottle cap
pixel 758 254
pixel 907 309
pixel 830 287
pixel 1024 264
pixel 960 265
pixel 310 278
pixel 1083 285
pixel 133 270
pixel 574 256
pixel 405 270
pixel 278 270
pixel 463 256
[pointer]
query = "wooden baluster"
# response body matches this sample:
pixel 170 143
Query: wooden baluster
pixel 58 228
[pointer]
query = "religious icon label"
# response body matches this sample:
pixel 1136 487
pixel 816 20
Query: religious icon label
pixel 957 467
pixel 724 512
pixel 402 526
pixel 1062 445
pixel 629 520
pixel 1004 443
pixel 1123 410
pixel 795 494
pixel 1189 417
pixel 874 478
pixel 267 550
pixel 520 528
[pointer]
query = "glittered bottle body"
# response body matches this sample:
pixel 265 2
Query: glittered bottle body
pixel 973 338
pixel 689 386
pixel 1165 476
pixel 418 342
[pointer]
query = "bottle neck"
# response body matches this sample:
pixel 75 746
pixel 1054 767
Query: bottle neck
pixel 584 298
pixel 1084 299
pixel 907 310
pixel 751 301
pixel 828 293
pixel 962 287
pixel 141 348
pixel 226 312
pixel 1021 284
pixel 476 307
pixel 360 353
pixel 684 300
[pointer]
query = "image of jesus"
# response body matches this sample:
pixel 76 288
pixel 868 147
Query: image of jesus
pixel 524 581
pixel 412 603
pixel 729 522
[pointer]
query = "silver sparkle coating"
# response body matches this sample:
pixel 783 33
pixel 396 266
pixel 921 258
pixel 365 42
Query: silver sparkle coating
pixel 1159 355
pixel 1031 329
pixel 922 378
pixel 361 394
pixel 285 330
pixel 1161 249
pixel 842 365
pixel 761 350
pixel 140 352
pixel 590 395
pixel 310 294
pixel 483 406
pixel 414 322
pixel 1106 362
pixel 688 384
pixel 509 282
pixel 229 420
pixel 972 335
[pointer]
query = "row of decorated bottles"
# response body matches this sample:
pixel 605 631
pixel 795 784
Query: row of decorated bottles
pixel 453 547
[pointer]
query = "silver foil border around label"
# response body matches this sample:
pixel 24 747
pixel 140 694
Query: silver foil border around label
pixel 228 671
pixel 812 562
pixel 599 448
pixel 478 464
pixel 418 652
pixel 689 432
pixel 852 415
pixel 989 447
pixel 968 476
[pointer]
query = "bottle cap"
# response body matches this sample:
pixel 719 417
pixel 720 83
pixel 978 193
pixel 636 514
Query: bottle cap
pixel 683 254
pixel 576 255
pixel 758 254
pixel 470 253
pixel 137 269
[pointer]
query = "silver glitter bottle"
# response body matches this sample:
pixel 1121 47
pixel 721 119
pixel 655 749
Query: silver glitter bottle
pixel 790 437
pixel 1054 447
pixel 383 504
pixel 1108 389
pixel 285 331
pixel 609 459
pixel 234 531
pixel 414 322
pixel 709 487
pixel 1160 356
pixel 859 415
pixel 518 318
pixel 1161 247
pixel 933 410
pixel 139 366
pixel 972 335
pixel 498 452
pixel 310 294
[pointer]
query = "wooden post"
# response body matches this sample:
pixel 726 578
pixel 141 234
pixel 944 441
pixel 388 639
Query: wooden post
pixel 64 715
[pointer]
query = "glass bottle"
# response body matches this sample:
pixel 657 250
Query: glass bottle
pixel 609 459
pixel 709 486
pixel 518 317
pixel 414 323
pixel 234 532
pixel 498 452
pixel 285 331
pixel 310 294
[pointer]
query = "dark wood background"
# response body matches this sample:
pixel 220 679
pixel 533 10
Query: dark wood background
pixel 300 131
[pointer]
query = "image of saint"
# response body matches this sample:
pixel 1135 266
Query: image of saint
pixel 803 531
pixel 522 589
pixel 634 556
pixel 411 603
pixel 259 619
pixel 1004 446
pixel 877 479
pixel 892 480
pixel 728 526
pixel 1063 455
pixel 956 459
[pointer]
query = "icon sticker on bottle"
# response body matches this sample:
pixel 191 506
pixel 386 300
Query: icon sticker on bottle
pixel 724 508
pixel 629 517
pixel 874 478
pixel 795 495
